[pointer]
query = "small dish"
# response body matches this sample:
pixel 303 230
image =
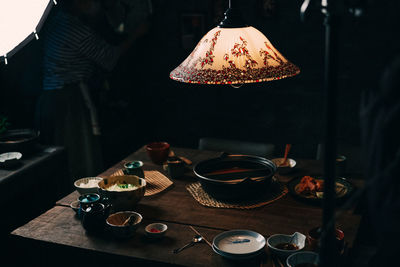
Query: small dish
pixel 343 189
pixel 87 185
pixel 9 159
pixel 155 230
pixel 289 167
pixel 275 241
pixel 75 205
pixel 303 257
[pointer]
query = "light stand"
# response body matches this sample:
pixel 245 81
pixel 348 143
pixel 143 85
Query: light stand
pixel 328 251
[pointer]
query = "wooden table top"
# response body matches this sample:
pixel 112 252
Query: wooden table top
pixel 177 208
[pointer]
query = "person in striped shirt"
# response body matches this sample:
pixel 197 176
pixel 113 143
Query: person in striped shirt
pixel 73 52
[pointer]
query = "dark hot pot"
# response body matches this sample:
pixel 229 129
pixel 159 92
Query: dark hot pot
pixel 19 140
pixel 235 177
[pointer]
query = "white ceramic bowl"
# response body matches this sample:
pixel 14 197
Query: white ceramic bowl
pixel 284 169
pixel 81 185
pixel 302 257
pixel 297 238
pixel 160 227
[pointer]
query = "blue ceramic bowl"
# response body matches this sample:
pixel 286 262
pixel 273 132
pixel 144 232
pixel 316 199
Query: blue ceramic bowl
pixel 86 200
pixel 134 168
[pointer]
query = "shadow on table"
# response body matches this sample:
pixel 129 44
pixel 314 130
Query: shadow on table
pixel 43 255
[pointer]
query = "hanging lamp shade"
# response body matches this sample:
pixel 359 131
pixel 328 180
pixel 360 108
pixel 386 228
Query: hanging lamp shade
pixel 20 20
pixel 234 55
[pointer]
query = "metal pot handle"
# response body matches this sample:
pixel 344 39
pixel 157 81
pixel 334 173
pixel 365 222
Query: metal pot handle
pixel 223 155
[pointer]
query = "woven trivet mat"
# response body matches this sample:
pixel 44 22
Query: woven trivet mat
pixel 156 182
pixel 277 191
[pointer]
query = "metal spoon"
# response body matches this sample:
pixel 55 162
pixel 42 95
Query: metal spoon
pixel 130 220
pixel 196 239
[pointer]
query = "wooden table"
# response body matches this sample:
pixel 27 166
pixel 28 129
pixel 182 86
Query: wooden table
pixel 59 231
pixel 41 176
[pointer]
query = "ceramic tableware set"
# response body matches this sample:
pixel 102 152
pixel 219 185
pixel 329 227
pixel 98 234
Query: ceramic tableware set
pixel 101 209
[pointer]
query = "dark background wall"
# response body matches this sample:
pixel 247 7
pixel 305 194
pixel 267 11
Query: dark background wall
pixel 143 104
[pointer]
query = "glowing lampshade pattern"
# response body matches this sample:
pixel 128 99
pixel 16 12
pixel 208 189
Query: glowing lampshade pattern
pixel 234 56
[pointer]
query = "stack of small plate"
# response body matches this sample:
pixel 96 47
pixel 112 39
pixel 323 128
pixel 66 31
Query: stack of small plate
pixel 238 244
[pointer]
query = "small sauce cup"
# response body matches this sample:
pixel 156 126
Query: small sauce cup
pixel 175 167
pixel 156 230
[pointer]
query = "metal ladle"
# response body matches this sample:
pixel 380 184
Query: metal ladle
pixel 196 239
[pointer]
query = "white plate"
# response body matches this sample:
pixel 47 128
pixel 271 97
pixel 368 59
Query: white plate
pixel 237 257
pixel 239 242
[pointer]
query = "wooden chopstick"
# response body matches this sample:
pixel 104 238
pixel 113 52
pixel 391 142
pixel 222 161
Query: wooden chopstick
pixel 273 262
pixel 264 260
pixel 276 261
pixel 201 235
pixel 287 149
pixel 280 262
